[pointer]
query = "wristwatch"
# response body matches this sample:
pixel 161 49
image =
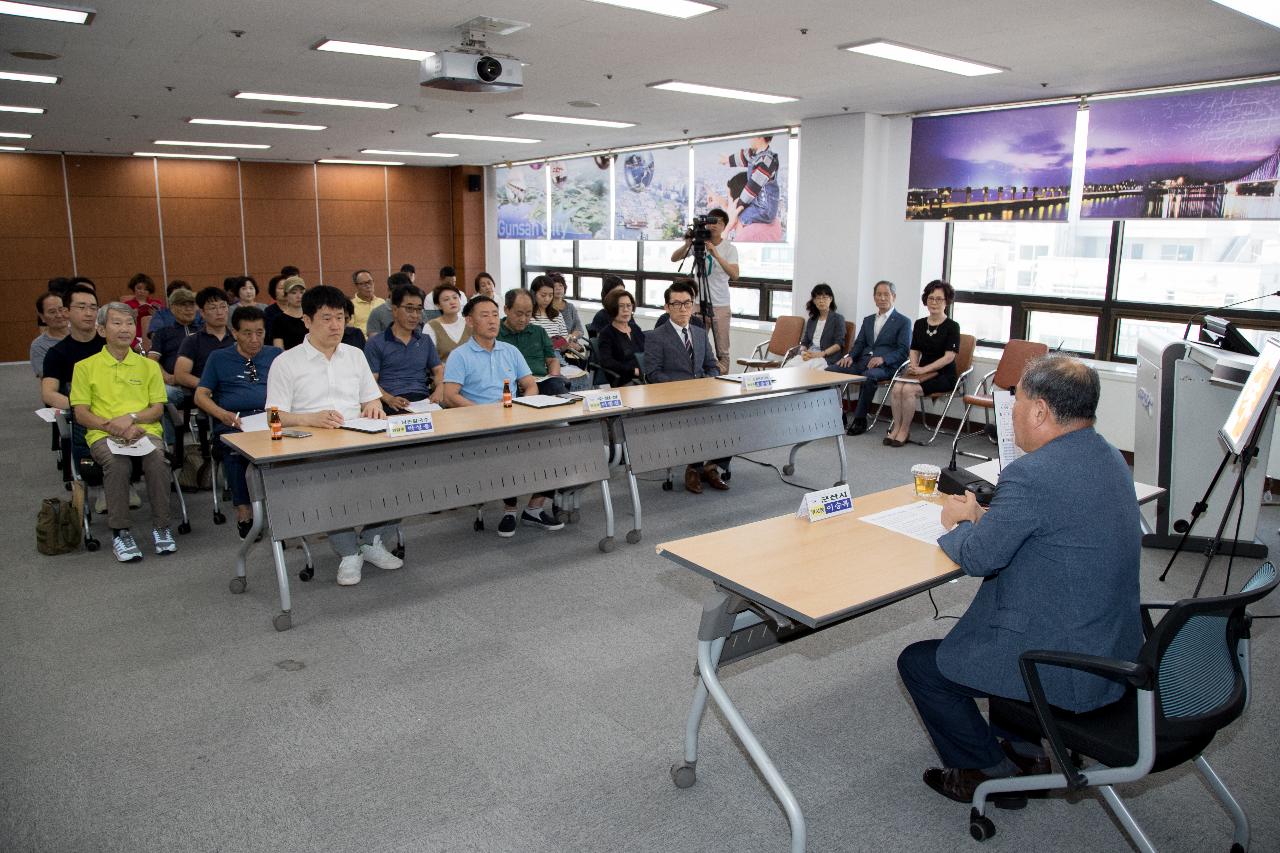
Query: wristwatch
pixel 134 415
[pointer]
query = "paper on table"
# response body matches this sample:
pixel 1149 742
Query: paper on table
pixel 920 520
pixel 542 401
pixel 1009 450
pixel 141 447
pixel 48 415
pixel 255 423
pixel 570 371
pixel 365 424
pixel 419 407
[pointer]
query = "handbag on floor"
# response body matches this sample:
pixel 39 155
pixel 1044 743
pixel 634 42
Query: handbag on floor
pixel 57 527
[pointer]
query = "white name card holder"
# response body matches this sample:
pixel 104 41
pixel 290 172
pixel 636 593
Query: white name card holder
pixel 825 503
pixel 601 401
pixel 410 424
pixel 756 381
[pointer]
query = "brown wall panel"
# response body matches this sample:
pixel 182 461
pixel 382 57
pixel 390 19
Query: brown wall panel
pixel 268 254
pixel 434 218
pixel 34 257
pixel 113 212
pixel 110 176
pixel 351 182
pixel 16 336
pixel 31 174
pixel 277 180
pixel 351 252
pixel 428 254
pixel 34 216
pixel 203 257
pixel 190 217
pixel 421 184
pixel 118 257
pixel 280 217
pixel 115 216
pixel 468 223
pixel 198 179
pixel 365 218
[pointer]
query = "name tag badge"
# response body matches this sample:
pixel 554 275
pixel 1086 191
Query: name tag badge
pixel 825 503
pixel 410 424
pixel 756 381
pixel 601 401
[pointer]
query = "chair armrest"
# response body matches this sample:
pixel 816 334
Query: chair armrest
pixel 984 385
pixel 1147 606
pixel 1136 674
pixel 759 351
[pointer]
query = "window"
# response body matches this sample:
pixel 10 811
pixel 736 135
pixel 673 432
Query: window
pixel 1201 262
pixel 1033 258
pixel 1070 332
pixel 989 323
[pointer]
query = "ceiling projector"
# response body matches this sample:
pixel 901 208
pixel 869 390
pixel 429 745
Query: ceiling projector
pixel 471 72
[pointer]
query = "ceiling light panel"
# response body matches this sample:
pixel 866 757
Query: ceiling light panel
pixel 590 122
pixel 306 99
pixel 379 50
pixel 15 136
pixel 684 9
pixel 9 108
pixel 46 13
pixel 274 125
pixel 173 155
pixel 1267 11
pixel 12 148
pixel 390 153
pixel 194 144
pixel 19 77
pixel 720 92
pixel 480 137
pixel 924 58
pixel 348 162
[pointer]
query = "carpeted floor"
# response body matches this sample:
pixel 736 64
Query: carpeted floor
pixel 497 695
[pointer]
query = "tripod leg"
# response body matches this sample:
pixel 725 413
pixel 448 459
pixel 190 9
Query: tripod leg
pixel 1196 511
pixel 1211 550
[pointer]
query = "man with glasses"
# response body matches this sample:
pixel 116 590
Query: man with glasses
pixel 402 358
pixel 722 267
pixel 234 386
pixel 195 350
pixel 364 301
pixel 676 351
pixel 82 341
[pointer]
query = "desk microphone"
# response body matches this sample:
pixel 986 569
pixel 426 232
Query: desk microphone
pixel 1207 311
pixel 957 481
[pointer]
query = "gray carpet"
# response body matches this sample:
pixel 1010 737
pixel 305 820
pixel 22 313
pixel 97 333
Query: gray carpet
pixel 496 695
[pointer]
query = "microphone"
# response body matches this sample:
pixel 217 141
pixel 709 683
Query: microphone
pixel 1207 311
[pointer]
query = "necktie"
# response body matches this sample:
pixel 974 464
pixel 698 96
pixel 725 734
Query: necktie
pixel 688 345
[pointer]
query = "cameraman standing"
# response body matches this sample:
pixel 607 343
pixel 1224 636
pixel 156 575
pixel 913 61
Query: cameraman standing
pixel 721 268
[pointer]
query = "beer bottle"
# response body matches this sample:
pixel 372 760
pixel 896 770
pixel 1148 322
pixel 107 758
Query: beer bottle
pixel 277 428
pixel 506 393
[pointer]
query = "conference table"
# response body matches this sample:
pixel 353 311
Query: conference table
pixel 669 425
pixel 777 580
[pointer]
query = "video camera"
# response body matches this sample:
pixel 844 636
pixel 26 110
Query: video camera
pixel 699 232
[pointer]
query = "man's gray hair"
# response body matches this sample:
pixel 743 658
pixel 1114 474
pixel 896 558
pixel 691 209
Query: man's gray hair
pixel 892 287
pixel 119 307
pixel 1067 385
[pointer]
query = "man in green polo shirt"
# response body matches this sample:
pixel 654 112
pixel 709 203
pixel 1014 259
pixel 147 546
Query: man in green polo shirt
pixel 118 397
pixel 519 330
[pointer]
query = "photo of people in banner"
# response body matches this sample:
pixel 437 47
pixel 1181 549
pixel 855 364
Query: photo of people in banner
pixel 522 202
pixel 747 179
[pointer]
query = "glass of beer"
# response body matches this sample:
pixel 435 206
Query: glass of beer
pixel 926 479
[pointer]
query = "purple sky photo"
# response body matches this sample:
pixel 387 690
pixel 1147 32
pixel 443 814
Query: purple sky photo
pixel 1213 135
pixel 1026 147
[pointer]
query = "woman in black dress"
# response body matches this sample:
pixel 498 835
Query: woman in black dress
pixel 620 341
pixel 935 340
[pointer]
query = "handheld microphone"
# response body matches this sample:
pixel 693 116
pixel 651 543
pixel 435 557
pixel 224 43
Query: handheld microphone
pixel 1199 314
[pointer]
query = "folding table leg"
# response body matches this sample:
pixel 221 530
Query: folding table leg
pixel 283 620
pixel 239 582
pixel 607 544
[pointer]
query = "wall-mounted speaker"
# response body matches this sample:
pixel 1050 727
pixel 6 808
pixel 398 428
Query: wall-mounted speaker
pixel 473 183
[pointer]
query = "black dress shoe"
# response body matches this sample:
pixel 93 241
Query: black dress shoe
pixel 858 427
pixel 958 784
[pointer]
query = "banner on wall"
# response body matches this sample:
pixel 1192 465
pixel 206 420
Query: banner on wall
pixel 522 202
pixel 651 194
pixel 747 177
pixel 1001 164
pixel 1196 155
pixel 580 198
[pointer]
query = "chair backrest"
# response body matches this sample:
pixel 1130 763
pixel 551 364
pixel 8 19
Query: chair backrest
pixel 964 358
pixel 850 333
pixel 787 331
pixel 1200 686
pixel 1014 362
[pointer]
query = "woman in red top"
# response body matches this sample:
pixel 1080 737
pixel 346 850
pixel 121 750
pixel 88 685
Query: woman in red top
pixel 143 300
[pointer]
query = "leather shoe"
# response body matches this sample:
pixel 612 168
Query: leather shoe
pixel 893 442
pixel 957 783
pixel 1027 765
pixel 693 480
pixel 711 474
pixel 858 427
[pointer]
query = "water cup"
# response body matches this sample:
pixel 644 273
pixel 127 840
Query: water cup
pixel 926 479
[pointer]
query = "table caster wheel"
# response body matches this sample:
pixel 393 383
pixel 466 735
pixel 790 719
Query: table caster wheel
pixel 667 485
pixel 184 528
pixel 92 544
pixel 683 774
pixel 980 826
pixel 574 516
pixel 282 621
pixel 478 525
pixel 787 470
pixel 633 536
pixel 238 585
pixel 607 544
pixel 398 551
pixel 219 518
pixel 307 573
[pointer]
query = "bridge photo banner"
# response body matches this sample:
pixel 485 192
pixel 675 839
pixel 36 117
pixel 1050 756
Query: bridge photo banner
pixel 1001 164
pixel 1206 154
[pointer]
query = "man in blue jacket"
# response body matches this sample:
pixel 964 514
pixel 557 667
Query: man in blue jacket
pixel 883 343
pixel 1058 551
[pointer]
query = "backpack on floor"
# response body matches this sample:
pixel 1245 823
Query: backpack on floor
pixel 197 472
pixel 57 527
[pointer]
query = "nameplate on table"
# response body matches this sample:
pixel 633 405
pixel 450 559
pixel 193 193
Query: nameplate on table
pixel 826 503
pixel 420 424
pixel 756 381
pixel 601 401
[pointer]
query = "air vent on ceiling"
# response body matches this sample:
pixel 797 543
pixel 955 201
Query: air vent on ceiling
pixel 283 112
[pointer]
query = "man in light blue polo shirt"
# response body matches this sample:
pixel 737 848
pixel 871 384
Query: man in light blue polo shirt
pixel 402 357
pixel 474 375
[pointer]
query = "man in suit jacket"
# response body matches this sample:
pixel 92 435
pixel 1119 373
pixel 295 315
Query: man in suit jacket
pixel 679 350
pixel 1058 553
pixel 883 343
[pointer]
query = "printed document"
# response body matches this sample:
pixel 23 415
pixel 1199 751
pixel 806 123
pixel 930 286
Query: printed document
pixel 921 520
pixel 141 447
pixel 1009 450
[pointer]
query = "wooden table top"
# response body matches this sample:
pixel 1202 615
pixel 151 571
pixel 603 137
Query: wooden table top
pixel 691 392
pixel 818 573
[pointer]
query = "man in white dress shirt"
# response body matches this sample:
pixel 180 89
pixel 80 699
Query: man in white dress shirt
pixel 320 384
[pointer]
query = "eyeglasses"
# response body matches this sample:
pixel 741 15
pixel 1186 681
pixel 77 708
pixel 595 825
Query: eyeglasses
pixel 415 309
pixel 684 303
pixel 936 299
pixel 251 370
pixel 83 306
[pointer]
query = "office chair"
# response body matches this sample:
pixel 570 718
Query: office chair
pixel 1008 372
pixel 964 366
pixel 1190 680
pixel 787 331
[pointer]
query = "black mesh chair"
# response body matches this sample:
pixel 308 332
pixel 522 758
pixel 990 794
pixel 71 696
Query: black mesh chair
pixel 1190 679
